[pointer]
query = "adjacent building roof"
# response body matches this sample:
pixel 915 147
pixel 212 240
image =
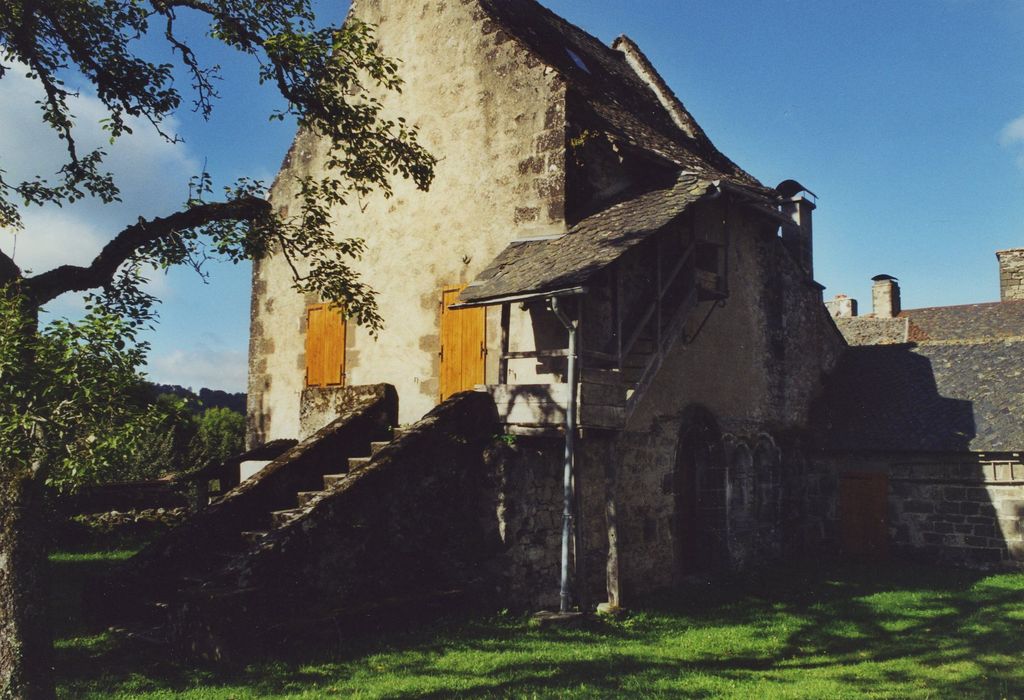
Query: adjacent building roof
pixel 531 266
pixel 991 321
pixel 960 386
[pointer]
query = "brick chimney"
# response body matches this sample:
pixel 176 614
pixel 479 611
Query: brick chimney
pixel 1011 274
pixel 885 296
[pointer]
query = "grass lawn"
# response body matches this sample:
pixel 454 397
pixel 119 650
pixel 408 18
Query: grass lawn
pixel 898 631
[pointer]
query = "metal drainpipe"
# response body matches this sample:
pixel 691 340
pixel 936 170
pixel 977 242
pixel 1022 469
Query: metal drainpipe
pixel 565 595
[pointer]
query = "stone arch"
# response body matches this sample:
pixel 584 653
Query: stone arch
pixel 767 479
pixel 698 486
pixel 741 492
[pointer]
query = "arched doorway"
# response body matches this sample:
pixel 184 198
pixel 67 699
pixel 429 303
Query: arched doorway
pixel 698 492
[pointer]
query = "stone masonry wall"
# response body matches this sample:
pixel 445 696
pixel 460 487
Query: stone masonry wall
pixel 495 119
pixel 962 513
pixel 756 358
pixel 962 509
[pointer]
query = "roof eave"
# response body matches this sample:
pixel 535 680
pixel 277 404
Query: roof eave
pixel 521 297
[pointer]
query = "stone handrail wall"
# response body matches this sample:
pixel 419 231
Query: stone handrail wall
pixel 371 411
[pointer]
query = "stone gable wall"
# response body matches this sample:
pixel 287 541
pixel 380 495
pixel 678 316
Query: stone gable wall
pixel 868 330
pixel 494 116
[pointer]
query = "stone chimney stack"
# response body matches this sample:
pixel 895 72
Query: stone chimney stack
pixel 798 236
pixel 842 306
pixel 1011 274
pixel 885 296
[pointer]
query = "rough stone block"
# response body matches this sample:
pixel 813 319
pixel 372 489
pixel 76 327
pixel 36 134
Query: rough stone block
pixel 984 530
pixel 978 495
pixel 918 507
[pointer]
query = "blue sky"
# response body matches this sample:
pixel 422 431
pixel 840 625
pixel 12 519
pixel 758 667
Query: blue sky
pixel 906 118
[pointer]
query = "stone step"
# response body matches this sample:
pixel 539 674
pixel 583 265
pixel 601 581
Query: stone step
pixel 280 518
pixel 643 345
pixel 253 536
pixel 376 447
pixel 304 497
pixel 332 480
pixel 602 376
pixel 637 360
pixel 357 463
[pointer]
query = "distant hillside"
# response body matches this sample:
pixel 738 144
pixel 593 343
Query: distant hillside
pixel 206 398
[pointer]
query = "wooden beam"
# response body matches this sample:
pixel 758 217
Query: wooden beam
pixel 527 354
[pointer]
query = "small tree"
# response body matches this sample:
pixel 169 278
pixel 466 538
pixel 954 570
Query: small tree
pixel 319 72
pixel 220 434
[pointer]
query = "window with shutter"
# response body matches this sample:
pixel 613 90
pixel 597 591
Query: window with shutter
pixel 463 345
pixel 325 345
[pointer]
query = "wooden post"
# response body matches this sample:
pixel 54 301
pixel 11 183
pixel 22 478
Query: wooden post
pixel 612 524
pixel 506 318
pixel 618 314
pixel 657 293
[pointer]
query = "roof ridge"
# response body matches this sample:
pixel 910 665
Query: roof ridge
pixel 906 312
pixel 641 65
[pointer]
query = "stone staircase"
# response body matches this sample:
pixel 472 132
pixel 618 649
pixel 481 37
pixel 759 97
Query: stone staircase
pixel 236 523
pixel 303 499
pixel 393 518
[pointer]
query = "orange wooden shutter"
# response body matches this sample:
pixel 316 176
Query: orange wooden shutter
pixel 325 346
pixel 463 337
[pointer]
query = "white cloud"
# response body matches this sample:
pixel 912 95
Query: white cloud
pixel 1012 135
pixel 201 366
pixel 152 174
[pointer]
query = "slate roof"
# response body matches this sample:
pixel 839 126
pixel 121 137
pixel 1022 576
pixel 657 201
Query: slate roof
pixel 968 322
pixel 611 90
pixel 526 267
pixel 961 390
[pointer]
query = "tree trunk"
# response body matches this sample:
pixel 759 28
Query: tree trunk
pixel 26 644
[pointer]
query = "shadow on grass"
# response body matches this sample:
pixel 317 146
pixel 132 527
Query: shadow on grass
pixel 841 631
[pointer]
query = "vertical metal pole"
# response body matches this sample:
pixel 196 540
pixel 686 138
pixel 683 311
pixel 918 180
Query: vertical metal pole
pixel 565 593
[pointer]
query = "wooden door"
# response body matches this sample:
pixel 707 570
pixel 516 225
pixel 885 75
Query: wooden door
pixel 463 345
pixel 863 514
pixel 325 346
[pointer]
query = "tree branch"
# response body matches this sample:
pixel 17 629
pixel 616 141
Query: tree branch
pixel 71 278
pixel 9 271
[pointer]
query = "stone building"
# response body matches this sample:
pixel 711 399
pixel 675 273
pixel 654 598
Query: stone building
pixel 922 423
pixel 587 257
